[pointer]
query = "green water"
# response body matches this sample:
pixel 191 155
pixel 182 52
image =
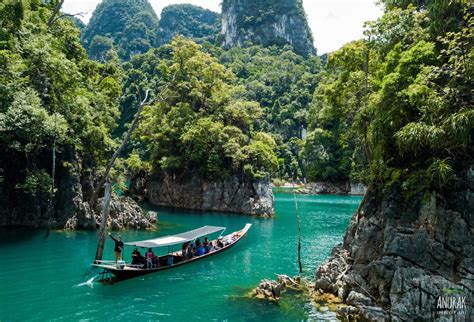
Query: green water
pixel 51 279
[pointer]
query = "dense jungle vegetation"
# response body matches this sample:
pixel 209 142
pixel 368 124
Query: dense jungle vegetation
pixel 393 107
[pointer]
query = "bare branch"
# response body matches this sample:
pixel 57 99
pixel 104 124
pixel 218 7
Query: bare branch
pixel 80 14
pixel 132 127
pixel 52 19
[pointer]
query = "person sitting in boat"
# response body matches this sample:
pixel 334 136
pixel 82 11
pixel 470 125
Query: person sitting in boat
pixel 137 257
pixel 198 243
pixel 118 247
pixel 150 256
pixel 206 245
pixel 201 250
pixel 184 249
pixel 190 252
pixel 220 244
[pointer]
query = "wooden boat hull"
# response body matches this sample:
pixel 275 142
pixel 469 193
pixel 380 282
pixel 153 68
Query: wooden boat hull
pixel 129 272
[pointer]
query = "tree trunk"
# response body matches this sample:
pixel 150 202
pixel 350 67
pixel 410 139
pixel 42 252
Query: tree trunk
pixel 56 10
pixel 104 177
pixel 103 223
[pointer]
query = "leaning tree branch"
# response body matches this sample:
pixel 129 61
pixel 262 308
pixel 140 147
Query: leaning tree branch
pixel 132 127
pixel 56 10
pixel 80 14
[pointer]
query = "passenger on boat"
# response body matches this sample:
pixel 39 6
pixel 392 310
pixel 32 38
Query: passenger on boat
pixel 150 256
pixel 137 258
pixel 206 244
pixel 220 244
pixel 211 246
pixel 201 250
pixel 118 247
pixel 190 252
pixel 198 243
pixel 184 249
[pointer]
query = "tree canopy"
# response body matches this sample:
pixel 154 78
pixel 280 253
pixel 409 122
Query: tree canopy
pixel 201 125
pixel 401 101
pixel 127 26
pixel 50 92
pixel 191 21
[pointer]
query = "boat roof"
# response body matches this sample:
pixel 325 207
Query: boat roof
pixel 176 239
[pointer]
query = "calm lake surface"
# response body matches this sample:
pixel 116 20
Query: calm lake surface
pixel 51 279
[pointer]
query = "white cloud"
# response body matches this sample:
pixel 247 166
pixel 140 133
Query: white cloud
pixel 333 22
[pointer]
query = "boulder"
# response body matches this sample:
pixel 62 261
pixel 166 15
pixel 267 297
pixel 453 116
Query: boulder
pixel 125 213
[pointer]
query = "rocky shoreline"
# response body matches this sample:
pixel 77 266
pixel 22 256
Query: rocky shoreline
pixel 232 195
pixel 322 187
pixel 400 258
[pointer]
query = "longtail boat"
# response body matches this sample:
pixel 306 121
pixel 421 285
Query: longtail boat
pixel 173 259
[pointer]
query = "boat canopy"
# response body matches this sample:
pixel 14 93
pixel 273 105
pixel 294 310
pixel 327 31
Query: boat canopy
pixel 176 239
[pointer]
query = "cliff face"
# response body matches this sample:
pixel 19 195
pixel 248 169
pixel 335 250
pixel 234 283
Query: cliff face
pixel 190 21
pixel 231 195
pixel 74 184
pixel 266 23
pixel 404 256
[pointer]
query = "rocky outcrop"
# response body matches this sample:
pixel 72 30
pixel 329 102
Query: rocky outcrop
pixel 332 188
pixel 266 23
pixel 401 257
pixel 22 209
pixel 233 195
pixel 74 182
pixel 125 213
pixel 191 21
pixel 317 188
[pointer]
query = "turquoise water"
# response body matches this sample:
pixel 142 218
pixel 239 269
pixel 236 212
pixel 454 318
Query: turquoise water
pixel 51 279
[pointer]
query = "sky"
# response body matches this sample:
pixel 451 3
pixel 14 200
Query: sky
pixel 333 22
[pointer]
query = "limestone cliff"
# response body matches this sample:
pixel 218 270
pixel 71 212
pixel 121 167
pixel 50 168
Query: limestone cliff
pixel 266 23
pixel 401 255
pixel 234 195
pixel 74 183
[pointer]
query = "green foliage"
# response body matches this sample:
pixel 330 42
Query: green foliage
pixel 200 125
pixel 130 25
pixel 135 164
pixel 50 92
pixel 441 172
pixel 406 117
pixel 283 83
pixel 330 149
pixel 420 119
pixel 37 184
pixel 190 21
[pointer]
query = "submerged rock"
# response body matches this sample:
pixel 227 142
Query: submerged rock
pixel 271 290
